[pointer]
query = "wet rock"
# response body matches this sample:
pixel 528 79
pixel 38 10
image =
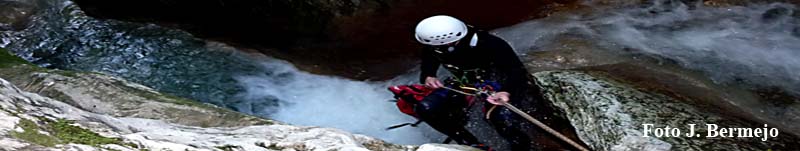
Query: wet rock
pixel 569 54
pixel 609 115
pixel 776 14
pixel 796 32
pixel 16 14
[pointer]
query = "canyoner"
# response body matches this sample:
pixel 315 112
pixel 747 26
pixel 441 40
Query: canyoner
pixel 407 97
pixel 485 67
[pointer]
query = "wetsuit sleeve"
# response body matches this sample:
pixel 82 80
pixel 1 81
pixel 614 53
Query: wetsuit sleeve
pixel 429 65
pixel 509 65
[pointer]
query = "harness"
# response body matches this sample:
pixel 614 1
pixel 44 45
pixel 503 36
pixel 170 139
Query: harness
pixel 467 75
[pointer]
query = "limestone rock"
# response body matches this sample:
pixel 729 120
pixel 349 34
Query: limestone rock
pixel 608 115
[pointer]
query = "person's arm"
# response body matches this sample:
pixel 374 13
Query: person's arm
pixel 429 65
pixel 508 64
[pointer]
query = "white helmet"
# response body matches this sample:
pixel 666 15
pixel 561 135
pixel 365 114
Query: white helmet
pixel 440 30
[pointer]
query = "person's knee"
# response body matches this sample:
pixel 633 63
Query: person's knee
pixel 503 117
pixel 509 125
pixel 432 102
pixel 430 106
pixel 426 107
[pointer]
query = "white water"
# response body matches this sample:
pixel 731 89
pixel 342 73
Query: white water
pixel 756 45
pixel 307 99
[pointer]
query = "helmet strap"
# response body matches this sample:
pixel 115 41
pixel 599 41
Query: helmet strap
pixel 474 41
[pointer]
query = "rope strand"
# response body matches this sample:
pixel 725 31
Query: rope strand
pixel 529 118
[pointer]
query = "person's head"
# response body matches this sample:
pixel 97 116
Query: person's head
pixel 440 30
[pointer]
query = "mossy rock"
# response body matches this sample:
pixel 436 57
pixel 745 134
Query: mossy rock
pixel 31 134
pixel 60 131
pixel 65 131
pixel 9 60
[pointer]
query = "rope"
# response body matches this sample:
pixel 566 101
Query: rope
pixel 545 127
pixel 459 91
pixel 531 119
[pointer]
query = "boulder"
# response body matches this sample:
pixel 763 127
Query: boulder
pixel 609 115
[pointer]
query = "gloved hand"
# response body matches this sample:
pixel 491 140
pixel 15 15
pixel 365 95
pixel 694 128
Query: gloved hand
pixel 433 82
pixel 499 98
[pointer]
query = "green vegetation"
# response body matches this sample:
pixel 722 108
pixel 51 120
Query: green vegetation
pixel 68 133
pixel 8 60
pixel 61 132
pixel 20 66
pixel 31 134
pixel 130 144
pixel 264 122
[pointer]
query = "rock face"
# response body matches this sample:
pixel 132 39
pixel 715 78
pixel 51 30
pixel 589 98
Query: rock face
pixel 107 95
pixel 354 38
pixel 609 115
pixel 89 111
pixel 15 15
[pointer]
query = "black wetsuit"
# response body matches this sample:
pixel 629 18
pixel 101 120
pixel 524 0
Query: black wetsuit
pixel 490 59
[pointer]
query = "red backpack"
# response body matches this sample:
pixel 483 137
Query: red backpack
pixel 406 98
pixel 409 96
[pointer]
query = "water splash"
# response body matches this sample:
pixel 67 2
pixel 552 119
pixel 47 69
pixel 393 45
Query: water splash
pixel 308 99
pixel 755 45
